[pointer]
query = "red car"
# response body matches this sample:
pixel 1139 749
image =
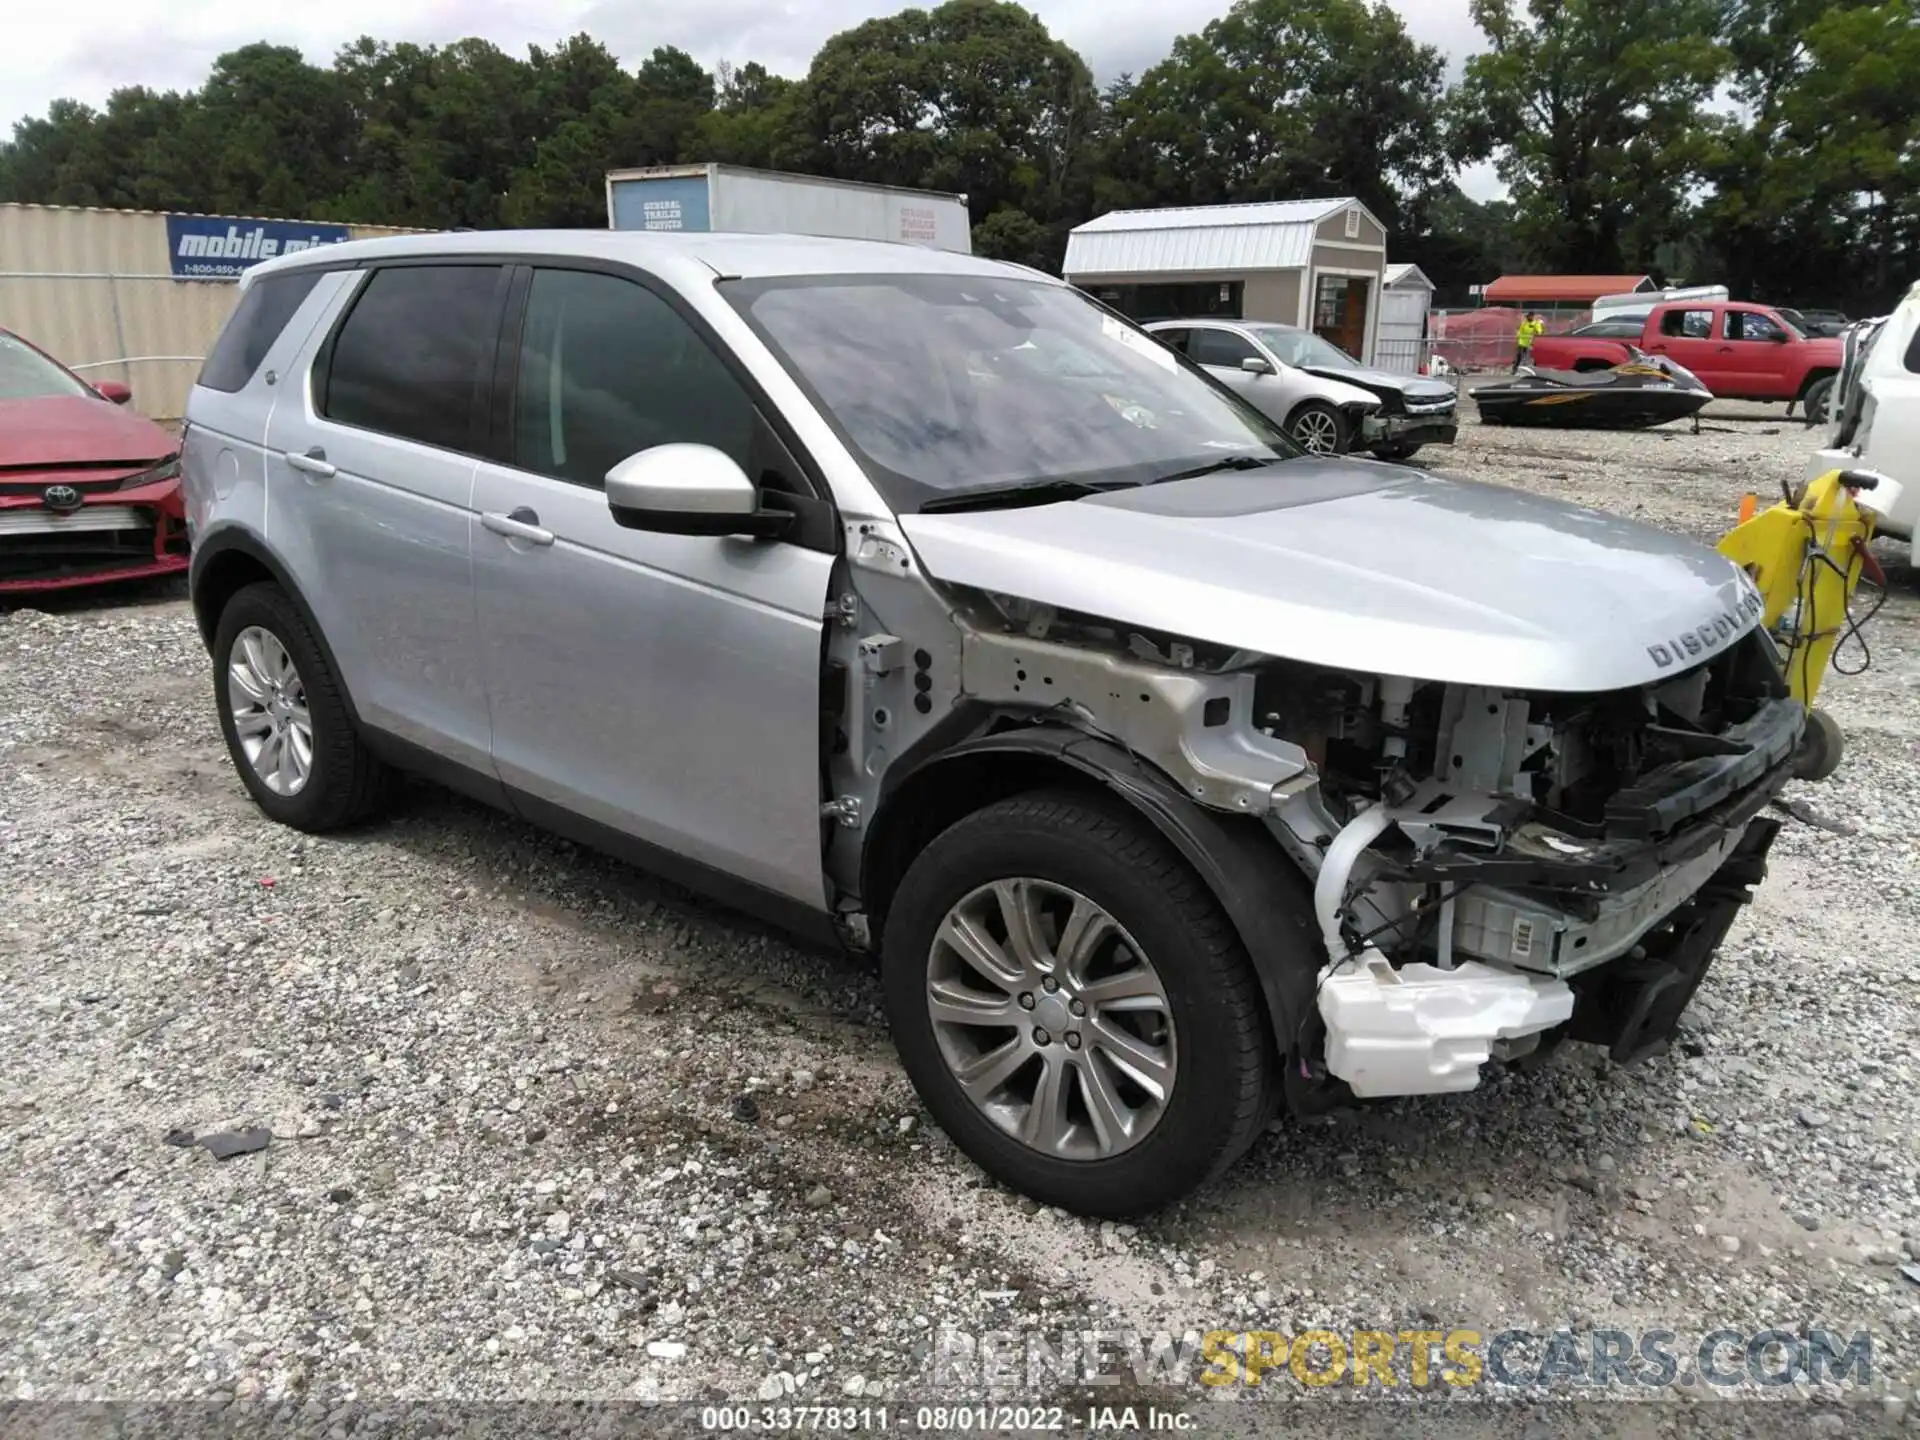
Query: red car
pixel 89 492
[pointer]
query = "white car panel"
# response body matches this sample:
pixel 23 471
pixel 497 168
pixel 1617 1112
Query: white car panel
pixel 1875 412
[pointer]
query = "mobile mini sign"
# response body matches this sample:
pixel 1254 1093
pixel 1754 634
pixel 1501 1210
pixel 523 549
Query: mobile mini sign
pixel 214 247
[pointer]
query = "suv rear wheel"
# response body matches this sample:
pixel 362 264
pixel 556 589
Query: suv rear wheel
pixel 284 718
pixel 1074 1008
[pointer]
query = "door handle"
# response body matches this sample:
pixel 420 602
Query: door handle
pixel 521 524
pixel 314 462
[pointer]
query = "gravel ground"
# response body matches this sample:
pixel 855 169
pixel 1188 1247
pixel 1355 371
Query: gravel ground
pixel 543 1126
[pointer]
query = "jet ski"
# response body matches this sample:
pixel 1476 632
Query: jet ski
pixel 1647 390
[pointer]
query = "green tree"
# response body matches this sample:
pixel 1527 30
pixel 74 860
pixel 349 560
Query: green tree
pixel 1595 114
pixel 47 160
pixel 753 114
pixel 1015 235
pixel 473 132
pixel 672 94
pixel 580 100
pixel 1777 218
pixel 386 88
pixel 1458 241
pixel 270 134
pixel 1855 118
pixel 1285 99
pixel 974 97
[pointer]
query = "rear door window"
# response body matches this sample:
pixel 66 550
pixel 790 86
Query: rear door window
pixel 415 352
pixel 1687 324
pixel 1221 347
pixel 263 312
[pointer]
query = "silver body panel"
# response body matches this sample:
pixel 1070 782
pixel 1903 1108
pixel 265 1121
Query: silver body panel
pixel 223 451
pixel 1414 575
pixel 382 546
pixel 665 685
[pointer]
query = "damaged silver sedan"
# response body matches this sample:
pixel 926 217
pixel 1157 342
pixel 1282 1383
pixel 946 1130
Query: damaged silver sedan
pixel 1175 777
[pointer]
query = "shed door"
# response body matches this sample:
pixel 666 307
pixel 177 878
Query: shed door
pixel 1340 312
pixel 1403 324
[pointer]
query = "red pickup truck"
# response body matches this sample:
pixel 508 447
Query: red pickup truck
pixel 1740 352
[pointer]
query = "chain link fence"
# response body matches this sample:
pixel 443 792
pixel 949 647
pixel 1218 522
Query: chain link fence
pixel 1478 341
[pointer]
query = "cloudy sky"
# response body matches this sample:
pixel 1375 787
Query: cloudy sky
pixel 86 48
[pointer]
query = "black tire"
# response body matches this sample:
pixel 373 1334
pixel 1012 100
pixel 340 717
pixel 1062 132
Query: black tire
pixel 346 782
pixel 1315 417
pixel 1396 452
pixel 1821 747
pixel 1815 401
pixel 1225 1081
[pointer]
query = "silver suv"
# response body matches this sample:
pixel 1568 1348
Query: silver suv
pixel 924 604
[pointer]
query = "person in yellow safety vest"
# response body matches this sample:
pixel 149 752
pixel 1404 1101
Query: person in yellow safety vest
pixel 1523 342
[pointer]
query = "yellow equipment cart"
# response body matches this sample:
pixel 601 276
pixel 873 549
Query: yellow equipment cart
pixel 1807 555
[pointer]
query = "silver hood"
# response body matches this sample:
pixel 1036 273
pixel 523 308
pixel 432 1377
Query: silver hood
pixel 1366 567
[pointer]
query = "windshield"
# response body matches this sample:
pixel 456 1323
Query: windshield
pixel 26 374
pixel 1302 348
pixel 948 384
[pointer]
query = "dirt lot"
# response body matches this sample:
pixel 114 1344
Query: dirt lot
pixel 545 1127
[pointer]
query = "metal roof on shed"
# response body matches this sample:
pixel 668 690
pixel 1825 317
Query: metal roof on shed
pixel 1270 235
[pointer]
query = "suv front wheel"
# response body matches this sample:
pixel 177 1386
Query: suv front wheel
pixel 1317 428
pixel 285 720
pixel 1073 1007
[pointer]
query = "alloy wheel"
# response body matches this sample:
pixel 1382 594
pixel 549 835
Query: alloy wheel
pixel 1318 432
pixel 268 703
pixel 1050 1018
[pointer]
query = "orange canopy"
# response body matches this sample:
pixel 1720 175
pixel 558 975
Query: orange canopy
pixel 1569 289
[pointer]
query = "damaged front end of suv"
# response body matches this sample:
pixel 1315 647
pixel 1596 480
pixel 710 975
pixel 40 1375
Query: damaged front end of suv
pixel 1493 867
pixel 1177 775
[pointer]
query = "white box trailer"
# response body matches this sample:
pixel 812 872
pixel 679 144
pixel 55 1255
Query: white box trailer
pixel 731 197
pixel 1641 302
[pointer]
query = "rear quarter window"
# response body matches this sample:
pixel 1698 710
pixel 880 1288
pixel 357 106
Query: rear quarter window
pixel 255 324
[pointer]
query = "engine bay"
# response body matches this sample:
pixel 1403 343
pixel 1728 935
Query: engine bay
pixel 1541 832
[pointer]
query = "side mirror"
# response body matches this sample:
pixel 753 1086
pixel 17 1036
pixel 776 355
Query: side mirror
pixel 1780 337
pixel 1255 365
pixel 690 490
pixel 116 391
